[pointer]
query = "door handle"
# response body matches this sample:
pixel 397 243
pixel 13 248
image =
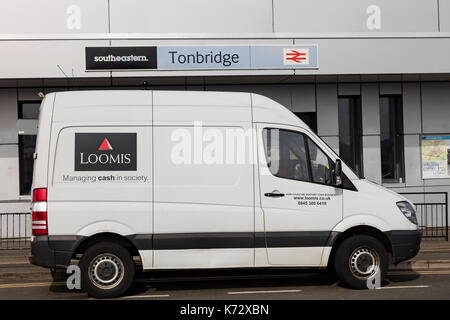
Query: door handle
pixel 275 194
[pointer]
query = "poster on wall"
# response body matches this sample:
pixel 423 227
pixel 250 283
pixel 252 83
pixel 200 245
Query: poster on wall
pixel 435 157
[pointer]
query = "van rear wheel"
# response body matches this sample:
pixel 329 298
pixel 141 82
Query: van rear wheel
pixel 361 258
pixel 107 270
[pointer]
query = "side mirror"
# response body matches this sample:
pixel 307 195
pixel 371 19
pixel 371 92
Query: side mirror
pixel 338 173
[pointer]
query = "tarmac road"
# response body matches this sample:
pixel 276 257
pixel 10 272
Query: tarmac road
pixel 426 277
pixel 266 284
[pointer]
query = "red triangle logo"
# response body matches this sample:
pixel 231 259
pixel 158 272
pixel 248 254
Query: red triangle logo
pixel 105 145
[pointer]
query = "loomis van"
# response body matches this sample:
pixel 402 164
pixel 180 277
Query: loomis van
pixel 183 180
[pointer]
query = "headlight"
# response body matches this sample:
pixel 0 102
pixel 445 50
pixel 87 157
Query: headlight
pixel 407 209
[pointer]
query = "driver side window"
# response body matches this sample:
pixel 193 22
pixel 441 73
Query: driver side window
pixel 292 155
pixel 286 154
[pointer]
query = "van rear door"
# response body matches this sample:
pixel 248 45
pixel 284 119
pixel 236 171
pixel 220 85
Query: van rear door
pixel 100 177
pixel 41 156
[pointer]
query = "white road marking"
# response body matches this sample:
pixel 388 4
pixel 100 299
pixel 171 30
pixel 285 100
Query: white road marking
pixel 405 287
pixel 263 291
pixel 147 296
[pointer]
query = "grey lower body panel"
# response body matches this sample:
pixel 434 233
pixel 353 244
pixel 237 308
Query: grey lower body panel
pixel 405 244
pixel 57 251
pixel 53 252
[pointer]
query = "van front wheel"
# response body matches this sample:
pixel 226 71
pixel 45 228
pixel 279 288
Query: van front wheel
pixel 107 270
pixel 361 262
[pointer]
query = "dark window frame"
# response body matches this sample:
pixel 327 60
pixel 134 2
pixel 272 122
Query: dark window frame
pixel 25 173
pixel 25 186
pixel 20 108
pixel 397 139
pixel 311 114
pixel 356 134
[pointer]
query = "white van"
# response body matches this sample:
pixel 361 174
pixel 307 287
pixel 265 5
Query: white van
pixel 183 180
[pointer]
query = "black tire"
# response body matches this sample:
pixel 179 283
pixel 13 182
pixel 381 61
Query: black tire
pixel 354 260
pixel 107 270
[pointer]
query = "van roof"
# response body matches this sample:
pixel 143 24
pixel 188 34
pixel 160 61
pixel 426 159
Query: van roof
pixel 211 106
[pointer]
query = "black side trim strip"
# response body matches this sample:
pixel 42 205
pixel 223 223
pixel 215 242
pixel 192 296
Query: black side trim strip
pixel 142 241
pixel 203 240
pixel 217 240
pixel 212 240
pixel 260 240
pixel 297 239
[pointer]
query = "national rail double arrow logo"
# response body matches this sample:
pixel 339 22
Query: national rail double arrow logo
pixel 296 56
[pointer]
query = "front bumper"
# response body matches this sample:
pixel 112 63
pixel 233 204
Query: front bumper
pixel 405 244
pixel 43 255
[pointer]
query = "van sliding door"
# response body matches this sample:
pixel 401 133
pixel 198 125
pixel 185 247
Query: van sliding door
pixel 204 214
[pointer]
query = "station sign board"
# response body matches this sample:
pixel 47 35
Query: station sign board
pixel 202 57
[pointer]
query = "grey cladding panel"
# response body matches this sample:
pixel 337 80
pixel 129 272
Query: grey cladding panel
pixel 382 56
pixel 327 110
pixel 372 158
pixel 353 16
pixel 8 116
pixel 444 15
pixel 304 98
pixel 391 88
pixel 180 16
pixel 370 108
pixel 48 16
pixel 9 171
pixel 436 107
pixel 333 143
pixel 413 175
pixel 349 89
pixel 411 108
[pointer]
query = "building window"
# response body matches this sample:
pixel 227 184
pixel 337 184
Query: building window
pixel 310 118
pixel 350 132
pixel 29 110
pixel 27 145
pixel 391 134
pixel 28 114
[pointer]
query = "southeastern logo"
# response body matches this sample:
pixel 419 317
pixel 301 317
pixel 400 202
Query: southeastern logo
pixel 105 151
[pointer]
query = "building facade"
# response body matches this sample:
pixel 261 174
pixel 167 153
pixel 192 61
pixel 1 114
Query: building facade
pixel 376 86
